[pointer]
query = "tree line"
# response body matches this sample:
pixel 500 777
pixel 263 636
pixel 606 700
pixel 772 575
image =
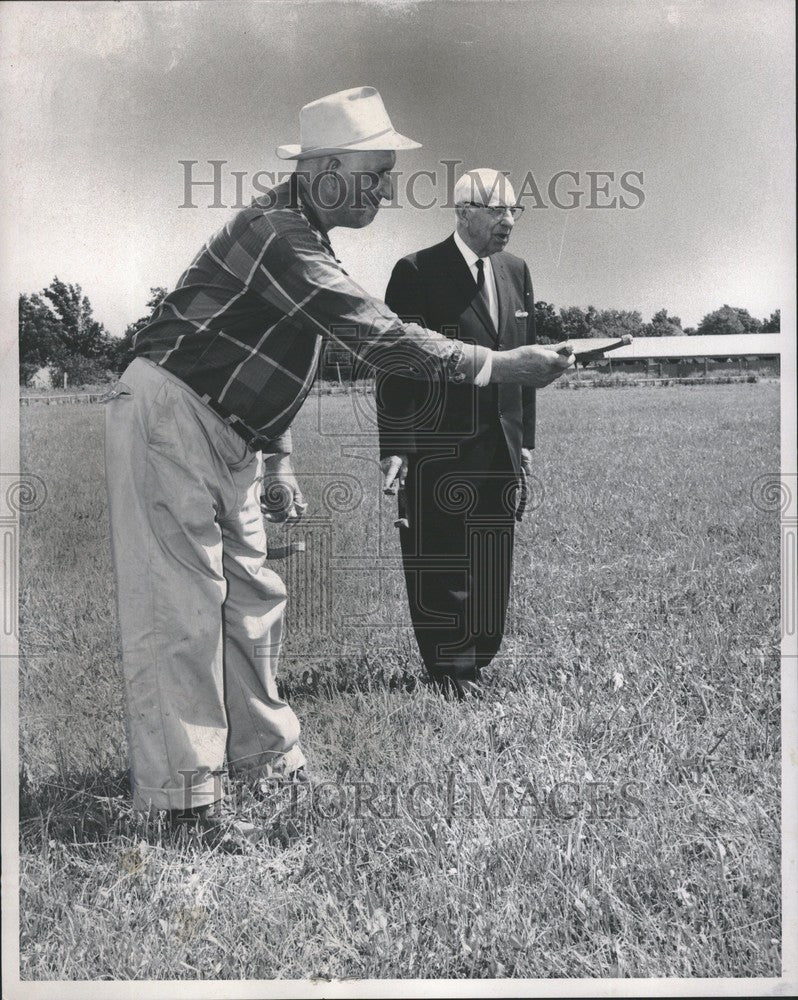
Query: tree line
pixel 58 331
pixel 575 322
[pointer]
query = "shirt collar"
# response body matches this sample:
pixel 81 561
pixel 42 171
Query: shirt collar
pixel 468 254
pixel 298 198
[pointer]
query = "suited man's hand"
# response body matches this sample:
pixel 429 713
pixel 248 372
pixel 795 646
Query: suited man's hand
pixel 281 499
pixel 394 473
pixel 531 365
pixel 526 482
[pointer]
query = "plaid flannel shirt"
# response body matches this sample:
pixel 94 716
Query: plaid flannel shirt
pixel 245 325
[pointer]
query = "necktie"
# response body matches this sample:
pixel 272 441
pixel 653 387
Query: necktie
pixel 482 288
pixel 481 277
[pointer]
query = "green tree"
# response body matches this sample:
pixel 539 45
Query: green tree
pixel 663 325
pixel 615 323
pixel 81 371
pixel 82 344
pixel 548 325
pixel 773 325
pixel 38 335
pixel 78 331
pixel 727 320
pixel 577 322
pixel 121 352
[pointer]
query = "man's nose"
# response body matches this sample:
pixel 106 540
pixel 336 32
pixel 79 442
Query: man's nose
pixel 385 190
pixel 507 219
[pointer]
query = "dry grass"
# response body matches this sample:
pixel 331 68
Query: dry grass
pixel 642 648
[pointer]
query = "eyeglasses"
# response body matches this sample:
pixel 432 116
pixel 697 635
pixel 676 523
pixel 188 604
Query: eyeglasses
pixel 498 211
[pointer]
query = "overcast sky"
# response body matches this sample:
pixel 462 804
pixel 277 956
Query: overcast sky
pixel 104 100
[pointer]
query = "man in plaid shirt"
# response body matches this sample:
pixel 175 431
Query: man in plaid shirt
pixel 202 416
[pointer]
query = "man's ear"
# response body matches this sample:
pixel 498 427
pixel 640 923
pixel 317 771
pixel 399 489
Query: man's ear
pixel 333 164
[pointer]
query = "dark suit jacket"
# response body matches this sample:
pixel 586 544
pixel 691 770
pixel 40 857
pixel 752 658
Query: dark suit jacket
pixel 434 287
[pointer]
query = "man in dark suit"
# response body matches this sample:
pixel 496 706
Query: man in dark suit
pixel 461 452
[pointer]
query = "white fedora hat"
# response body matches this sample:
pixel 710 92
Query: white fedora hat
pixel 349 120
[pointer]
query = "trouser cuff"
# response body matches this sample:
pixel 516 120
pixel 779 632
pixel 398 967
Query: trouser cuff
pixel 271 764
pixel 205 793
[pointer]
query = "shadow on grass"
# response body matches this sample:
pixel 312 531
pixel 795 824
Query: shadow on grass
pixel 364 675
pixel 74 807
pixel 346 676
pixel 79 808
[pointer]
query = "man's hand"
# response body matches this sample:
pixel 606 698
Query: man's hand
pixel 281 498
pixel 526 482
pixel 394 473
pixel 532 365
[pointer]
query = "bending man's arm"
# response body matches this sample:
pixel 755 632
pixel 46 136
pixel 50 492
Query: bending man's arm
pixel 299 275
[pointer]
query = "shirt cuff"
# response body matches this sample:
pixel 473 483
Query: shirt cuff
pixel 464 362
pixel 281 445
pixel 484 373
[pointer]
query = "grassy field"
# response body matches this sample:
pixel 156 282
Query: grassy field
pixel 628 753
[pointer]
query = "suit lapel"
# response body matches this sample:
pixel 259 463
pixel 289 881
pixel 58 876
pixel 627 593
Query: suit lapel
pixel 502 294
pixel 479 306
pixel 464 286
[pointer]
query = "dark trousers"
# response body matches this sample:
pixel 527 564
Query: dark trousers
pixel 457 556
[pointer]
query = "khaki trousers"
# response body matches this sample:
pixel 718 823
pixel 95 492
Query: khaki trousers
pixel 200 613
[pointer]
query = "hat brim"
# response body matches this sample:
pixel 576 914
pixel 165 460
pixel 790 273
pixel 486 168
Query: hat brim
pixel 391 140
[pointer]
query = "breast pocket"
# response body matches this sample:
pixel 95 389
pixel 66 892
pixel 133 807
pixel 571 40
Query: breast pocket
pixel 519 326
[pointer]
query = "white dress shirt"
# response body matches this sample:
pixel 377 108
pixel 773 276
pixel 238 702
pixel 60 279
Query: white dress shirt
pixel 490 282
pixel 483 376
